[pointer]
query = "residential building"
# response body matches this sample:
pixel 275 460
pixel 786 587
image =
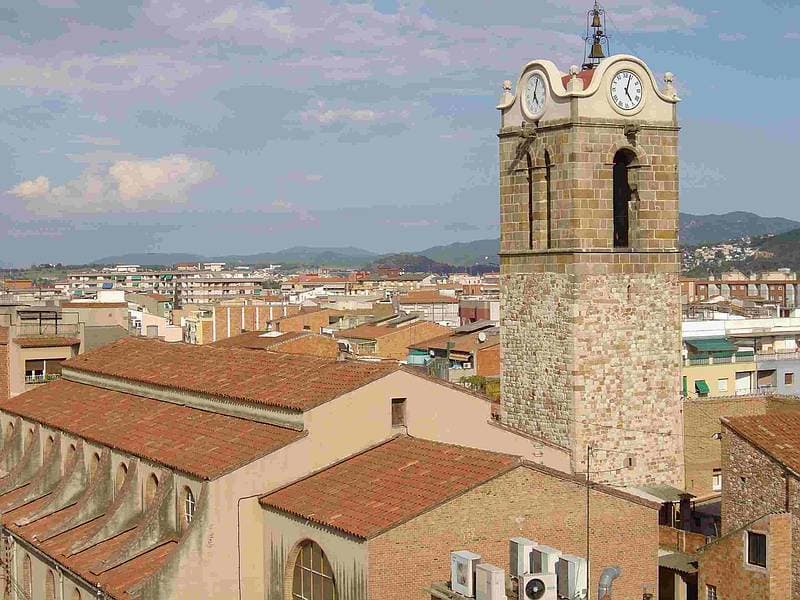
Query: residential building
pixel 34 341
pixel 209 323
pixel 432 305
pixel 103 322
pixel 469 351
pixel 295 342
pixel 757 555
pixel 155 304
pixel 717 367
pixel 306 319
pixel 777 287
pixel 472 310
pixel 390 339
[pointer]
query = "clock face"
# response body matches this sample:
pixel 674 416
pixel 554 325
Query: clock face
pixel 535 95
pixel 626 90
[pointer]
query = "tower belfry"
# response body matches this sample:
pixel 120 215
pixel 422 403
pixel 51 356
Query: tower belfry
pixel 590 302
pixel 595 38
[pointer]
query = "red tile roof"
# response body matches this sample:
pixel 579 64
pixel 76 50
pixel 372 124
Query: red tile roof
pixel 585 75
pixel 201 443
pixel 777 434
pixel 461 342
pixel 291 381
pixel 257 340
pixel 388 485
pixel 48 341
pixel 159 297
pixel 3 335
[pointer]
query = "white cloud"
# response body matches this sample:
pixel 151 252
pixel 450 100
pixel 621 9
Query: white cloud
pixel 732 37
pixel 323 115
pixel 125 185
pixel 792 35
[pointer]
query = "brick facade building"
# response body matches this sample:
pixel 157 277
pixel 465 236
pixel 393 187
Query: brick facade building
pixel 589 268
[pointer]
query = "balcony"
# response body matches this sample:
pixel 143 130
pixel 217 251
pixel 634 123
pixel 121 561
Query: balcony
pixel 778 356
pixel 739 357
pixel 34 379
pixel 47 328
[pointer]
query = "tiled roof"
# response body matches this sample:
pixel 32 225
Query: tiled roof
pixel 47 341
pixel 368 332
pixel 777 434
pixel 201 443
pixel 388 485
pixel 585 75
pixel 159 297
pixel 427 298
pixel 257 339
pixel 291 381
pixel 3 335
pixel 461 343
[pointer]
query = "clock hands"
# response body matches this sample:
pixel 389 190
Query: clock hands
pixel 626 88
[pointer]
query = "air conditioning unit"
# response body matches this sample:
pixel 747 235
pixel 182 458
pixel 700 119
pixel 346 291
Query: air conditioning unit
pixel 520 550
pixel 537 586
pixel 572 582
pixel 490 582
pixel 462 572
pixel 544 559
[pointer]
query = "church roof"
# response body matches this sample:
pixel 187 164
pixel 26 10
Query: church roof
pixel 197 442
pixel 290 381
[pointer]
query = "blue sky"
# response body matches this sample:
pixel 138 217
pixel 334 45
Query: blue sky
pixel 242 126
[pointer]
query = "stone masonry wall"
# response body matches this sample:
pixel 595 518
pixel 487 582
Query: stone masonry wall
pixel 5 383
pixel 591 333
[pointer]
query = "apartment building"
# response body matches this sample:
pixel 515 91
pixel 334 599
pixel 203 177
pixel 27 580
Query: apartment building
pixel 390 338
pixel 207 323
pixel 758 555
pixel 34 341
pixel 781 287
pixel 432 306
pixel 473 350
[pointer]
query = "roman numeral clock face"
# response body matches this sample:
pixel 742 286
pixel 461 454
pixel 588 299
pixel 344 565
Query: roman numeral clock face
pixel 626 90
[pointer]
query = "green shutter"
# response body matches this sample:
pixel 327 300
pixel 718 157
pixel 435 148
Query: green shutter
pixel 685 385
pixel 701 387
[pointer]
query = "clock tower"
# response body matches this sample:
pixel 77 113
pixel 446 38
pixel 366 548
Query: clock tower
pixel 590 301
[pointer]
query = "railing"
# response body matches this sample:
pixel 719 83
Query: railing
pixel 720 360
pixel 32 379
pixel 779 356
pixel 29 329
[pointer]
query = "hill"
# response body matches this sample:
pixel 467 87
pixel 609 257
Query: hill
pixel 709 229
pixel 465 254
pixel 161 259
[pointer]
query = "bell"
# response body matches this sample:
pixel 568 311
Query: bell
pixel 597 50
pixel 596 19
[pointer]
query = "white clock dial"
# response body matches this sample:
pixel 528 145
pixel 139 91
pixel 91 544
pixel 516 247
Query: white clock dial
pixel 535 92
pixel 626 90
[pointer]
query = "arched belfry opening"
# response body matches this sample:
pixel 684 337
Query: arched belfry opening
pixel 548 197
pixel 624 160
pixel 531 219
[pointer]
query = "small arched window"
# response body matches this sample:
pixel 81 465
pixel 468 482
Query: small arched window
pixel 531 220
pixel 623 160
pixel 94 465
pixel 49 445
pixel 9 431
pixel 76 594
pixel 150 489
pixel 50 586
pixel 119 478
pixel 27 581
pixel 312 576
pixel 188 505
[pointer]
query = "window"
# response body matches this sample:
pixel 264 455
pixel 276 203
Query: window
pixel 76 595
pixel 119 479
pixel 188 505
pixel 788 379
pixel 50 586
pixel 398 412
pixel 9 431
pixel 40 371
pixel 711 592
pixel 622 196
pixel 312 577
pixel 27 582
pixel 530 201
pixel 757 549
pixel 722 384
pixel 94 465
pixel 716 480
pixel 150 489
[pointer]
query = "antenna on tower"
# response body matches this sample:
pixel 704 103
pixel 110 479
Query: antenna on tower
pixel 596 38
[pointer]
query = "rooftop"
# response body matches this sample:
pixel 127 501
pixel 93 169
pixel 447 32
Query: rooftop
pixel 392 483
pixel 469 342
pixel 426 298
pixel 197 442
pixel 47 341
pixel 290 381
pixel 94 305
pixel 776 434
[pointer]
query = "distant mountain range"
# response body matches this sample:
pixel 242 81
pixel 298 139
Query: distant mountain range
pixel 694 230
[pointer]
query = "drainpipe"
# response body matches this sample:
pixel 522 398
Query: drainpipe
pixel 606 581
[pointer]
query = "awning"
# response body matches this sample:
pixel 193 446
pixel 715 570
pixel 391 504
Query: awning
pixel 678 561
pixel 701 387
pixel 712 345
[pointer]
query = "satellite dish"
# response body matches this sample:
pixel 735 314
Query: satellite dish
pixel 481 336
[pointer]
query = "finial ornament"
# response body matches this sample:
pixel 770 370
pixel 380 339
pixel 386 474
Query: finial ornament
pixel 507 96
pixel 669 87
pixel 507 85
pixel 573 71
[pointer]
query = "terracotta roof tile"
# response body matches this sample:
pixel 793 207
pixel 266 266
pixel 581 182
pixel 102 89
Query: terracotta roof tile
pixel 257 340
pixel 290 381
pixel 48 341
pixel 388 485
pixel 777 434
pixel 197 442
pixel 3 335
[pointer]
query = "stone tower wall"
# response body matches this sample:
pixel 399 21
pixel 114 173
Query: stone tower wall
pixel 590 333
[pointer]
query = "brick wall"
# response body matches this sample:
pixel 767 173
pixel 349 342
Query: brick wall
pixel 591 334
pixel 395 345
pixel 488 361
pixel 525 502
pixel 5 383
pixel 723 564
pixel 310 321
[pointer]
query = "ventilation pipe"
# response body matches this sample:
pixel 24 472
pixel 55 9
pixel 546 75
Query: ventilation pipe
pixel 606 581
